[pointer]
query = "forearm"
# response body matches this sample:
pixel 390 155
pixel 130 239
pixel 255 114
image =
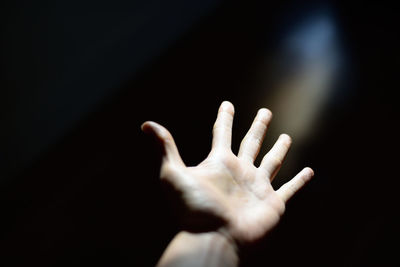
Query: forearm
pixel 200 249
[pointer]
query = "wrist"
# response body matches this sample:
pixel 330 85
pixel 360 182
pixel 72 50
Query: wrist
pixel 219 245
pixel 213 248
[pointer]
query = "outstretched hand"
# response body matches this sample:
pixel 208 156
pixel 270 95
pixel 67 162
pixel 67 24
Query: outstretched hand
pixel 228 192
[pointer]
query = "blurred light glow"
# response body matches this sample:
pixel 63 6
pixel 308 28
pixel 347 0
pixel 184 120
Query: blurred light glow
pixel 307 63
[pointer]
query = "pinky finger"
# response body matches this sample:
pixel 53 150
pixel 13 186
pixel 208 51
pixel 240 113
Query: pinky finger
pixel 287 190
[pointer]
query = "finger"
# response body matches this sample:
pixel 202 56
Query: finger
pixel 251 143
pixel 222 131
pixel 290 188
pixel 272 161
pixel 164 137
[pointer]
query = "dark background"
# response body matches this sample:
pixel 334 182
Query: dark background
pixel 79 181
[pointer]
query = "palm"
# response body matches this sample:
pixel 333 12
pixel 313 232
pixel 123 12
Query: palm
pixel 229 188
pixel 237 192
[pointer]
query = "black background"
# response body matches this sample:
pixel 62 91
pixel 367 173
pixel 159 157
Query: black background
pixel 80 181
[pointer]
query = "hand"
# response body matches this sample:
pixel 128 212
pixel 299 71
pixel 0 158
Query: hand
pixel 228 192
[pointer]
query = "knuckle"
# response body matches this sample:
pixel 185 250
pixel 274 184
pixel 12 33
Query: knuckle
pixel 167 138
pixel 218 126
pixel 165 135
pixel 264 116
pixel 280 206
pixel 257 140
pixel 252 139
pixel 275 161
pixel 245 141
pixel 167 172
pixel 226 158
pixel 259 126
pixel 292 191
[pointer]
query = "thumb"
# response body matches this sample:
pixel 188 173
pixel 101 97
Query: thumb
pixel 170 152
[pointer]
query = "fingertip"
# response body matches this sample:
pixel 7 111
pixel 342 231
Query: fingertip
pixel 151 127
pixel 165 139
pixel 266 112
pixel 145 127
pixel 286 138
pixel 309 172
pixel 227 106
pixel 264 115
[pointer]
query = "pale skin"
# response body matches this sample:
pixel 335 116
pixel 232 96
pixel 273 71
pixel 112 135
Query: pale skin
pixel 227 202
